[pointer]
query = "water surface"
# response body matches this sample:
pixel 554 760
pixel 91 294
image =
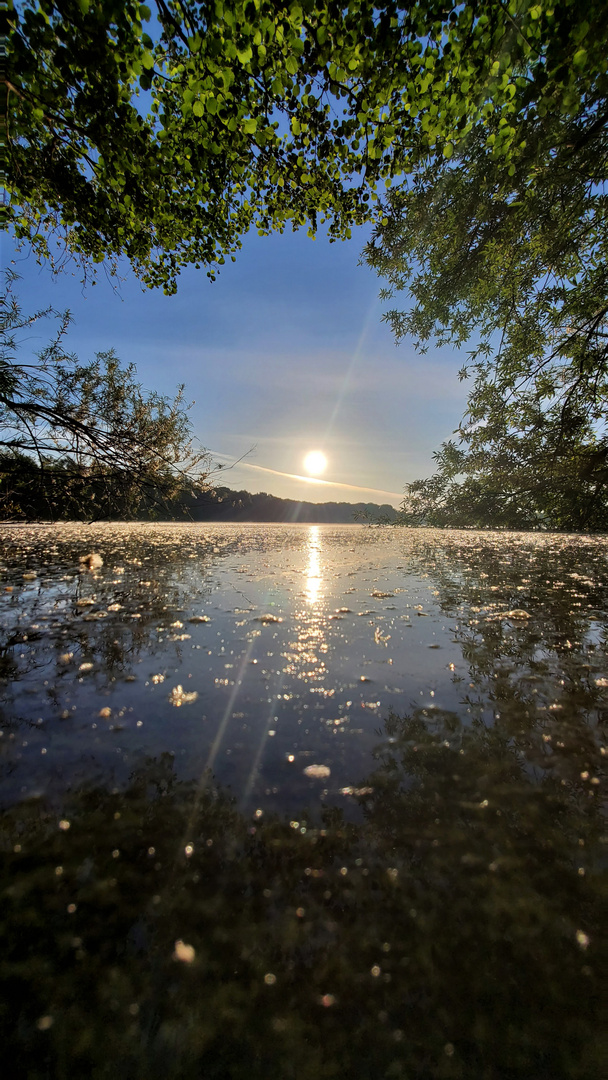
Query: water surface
pixel 292 801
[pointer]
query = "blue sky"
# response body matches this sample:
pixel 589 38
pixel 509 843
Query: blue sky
pixel 284 353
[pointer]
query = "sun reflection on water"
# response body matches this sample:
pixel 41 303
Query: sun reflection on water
pixel 313 570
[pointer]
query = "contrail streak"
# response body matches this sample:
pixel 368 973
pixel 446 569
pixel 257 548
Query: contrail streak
pixel 315 480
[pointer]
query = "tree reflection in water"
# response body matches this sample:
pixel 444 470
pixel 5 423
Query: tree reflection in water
pixel 453 933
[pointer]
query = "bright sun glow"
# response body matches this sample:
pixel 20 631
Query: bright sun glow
pixel 315 463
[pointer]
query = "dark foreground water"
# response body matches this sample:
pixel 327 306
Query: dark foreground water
pixel 303 802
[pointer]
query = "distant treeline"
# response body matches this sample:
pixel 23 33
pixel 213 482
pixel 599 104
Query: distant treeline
pixel 223 504
pixel 63 490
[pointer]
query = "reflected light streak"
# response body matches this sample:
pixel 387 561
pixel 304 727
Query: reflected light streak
pixel 313 581
pixel 206 774
pixel 217 742
pixel 313 570
pixel 253 773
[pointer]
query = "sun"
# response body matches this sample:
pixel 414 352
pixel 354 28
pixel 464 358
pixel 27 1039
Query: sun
pixel 315 463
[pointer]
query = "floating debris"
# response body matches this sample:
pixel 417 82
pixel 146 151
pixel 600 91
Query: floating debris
pixel 183 952
pixel 317 772
pixel 179 696
pixel 92 561
pixel 199 619
pixel 516 613
pixel 267 619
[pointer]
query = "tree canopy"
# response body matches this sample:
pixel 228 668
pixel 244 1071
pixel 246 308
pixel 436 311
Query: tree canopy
pixel 164 133
pixel 473 135
pixel 85 438
pixel 511 251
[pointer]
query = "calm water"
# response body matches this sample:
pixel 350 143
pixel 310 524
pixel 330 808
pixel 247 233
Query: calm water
pixel 303 801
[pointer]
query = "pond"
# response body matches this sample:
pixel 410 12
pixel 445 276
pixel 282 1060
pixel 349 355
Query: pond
pixel 303 801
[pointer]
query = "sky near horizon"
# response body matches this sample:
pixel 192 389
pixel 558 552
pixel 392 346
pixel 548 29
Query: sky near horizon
pixel 284 353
